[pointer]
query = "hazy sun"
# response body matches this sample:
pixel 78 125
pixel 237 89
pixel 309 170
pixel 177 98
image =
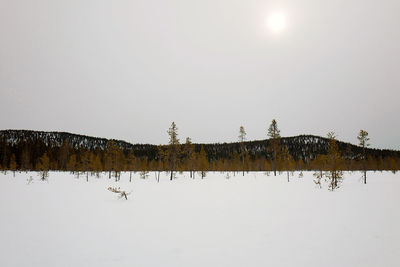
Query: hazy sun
pixel 276 22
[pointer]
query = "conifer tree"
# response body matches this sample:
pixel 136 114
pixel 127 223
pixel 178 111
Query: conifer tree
pixel 242 139
pixel 173 151
pixel 363 139
pixel 274 135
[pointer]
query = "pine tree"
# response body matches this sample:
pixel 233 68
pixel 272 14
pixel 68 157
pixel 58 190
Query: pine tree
pixel 173 151
pixel 273 131
pixel 363 138
pixel 274 134
pixel 242 139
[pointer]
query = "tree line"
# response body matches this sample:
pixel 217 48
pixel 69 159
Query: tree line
pixel 43 151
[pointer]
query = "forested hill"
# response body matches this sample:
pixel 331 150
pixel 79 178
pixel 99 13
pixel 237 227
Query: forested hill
pixel 15 138
pixel 302 147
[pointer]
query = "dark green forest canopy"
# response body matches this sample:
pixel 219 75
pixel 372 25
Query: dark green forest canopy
pixel 302 148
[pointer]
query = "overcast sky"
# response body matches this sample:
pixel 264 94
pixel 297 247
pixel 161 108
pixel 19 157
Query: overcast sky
pixel 127 69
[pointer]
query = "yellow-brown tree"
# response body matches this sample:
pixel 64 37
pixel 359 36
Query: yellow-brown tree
pixel 13 164
pixel 202 162
pixel 189 154
pixel 71 165
pixel 334 165
pixel 43 167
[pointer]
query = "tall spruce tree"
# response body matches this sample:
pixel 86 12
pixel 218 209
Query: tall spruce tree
pixel 363 139
pixel 173 151
pixel 274 142
pixel 242 139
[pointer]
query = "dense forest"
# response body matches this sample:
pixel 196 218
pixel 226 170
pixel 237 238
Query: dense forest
pixel 22 150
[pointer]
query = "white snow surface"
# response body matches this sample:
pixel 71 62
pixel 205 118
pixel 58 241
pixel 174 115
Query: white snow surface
pixel 255 220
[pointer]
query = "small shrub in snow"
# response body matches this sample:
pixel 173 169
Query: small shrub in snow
pixel 144 174
pixel 44 175
pixel 29 180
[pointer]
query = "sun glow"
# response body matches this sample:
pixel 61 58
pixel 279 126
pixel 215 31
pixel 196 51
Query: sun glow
pixel 276 22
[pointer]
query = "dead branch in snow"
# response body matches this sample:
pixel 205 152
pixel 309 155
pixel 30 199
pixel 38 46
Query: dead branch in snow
pixel 119 191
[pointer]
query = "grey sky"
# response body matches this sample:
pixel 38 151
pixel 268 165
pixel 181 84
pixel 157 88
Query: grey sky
pixel 127 69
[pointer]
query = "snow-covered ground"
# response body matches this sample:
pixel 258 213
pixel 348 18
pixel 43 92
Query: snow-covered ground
pixel 255 220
